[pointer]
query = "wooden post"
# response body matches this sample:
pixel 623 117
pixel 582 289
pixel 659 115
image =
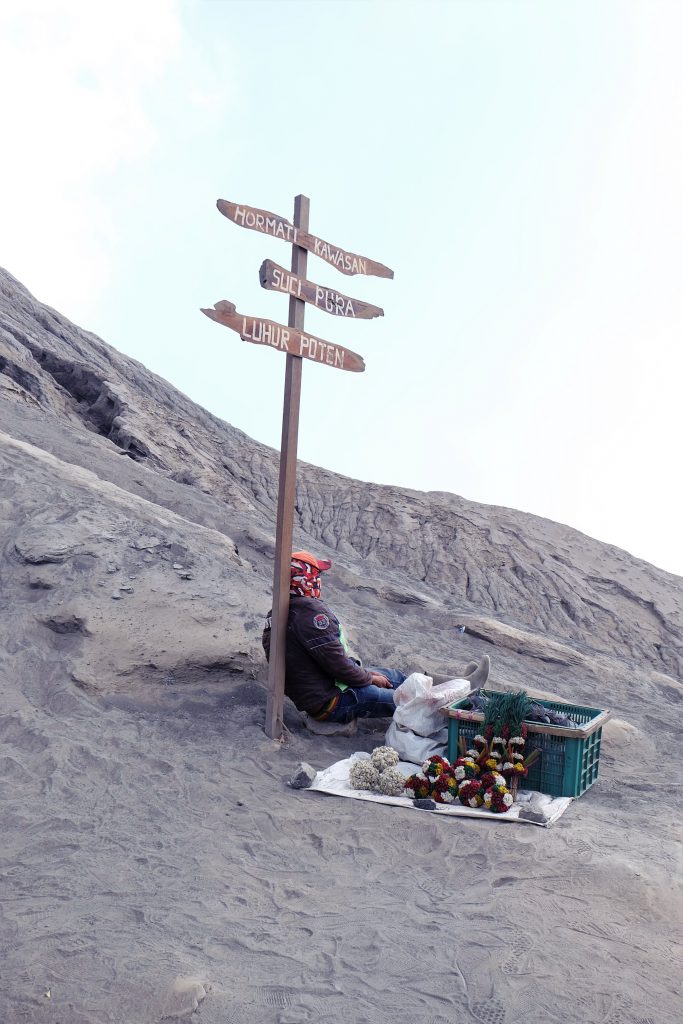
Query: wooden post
pixel 286 495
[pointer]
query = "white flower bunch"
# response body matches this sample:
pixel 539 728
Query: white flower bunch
pixel 364 775
pixel 518 757
pixel 498 779
pixel 378 773
pixel 391 782
pixel 508 766
pixel 473 753
pixel 384 757
pixel 518 741
pixel 459 772
pixel 508 800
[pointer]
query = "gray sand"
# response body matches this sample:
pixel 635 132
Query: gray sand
pixel 154 863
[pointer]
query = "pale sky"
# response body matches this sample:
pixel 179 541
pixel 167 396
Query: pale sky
pixel 518 163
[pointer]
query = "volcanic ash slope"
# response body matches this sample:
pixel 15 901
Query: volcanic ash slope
pixel 154 864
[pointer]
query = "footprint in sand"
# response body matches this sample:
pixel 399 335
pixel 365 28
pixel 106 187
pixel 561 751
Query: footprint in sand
pixel 516 962
pixel 279 998
pixel 488 1011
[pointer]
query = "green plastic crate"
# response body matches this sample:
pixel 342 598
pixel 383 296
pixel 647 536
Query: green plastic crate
pixel 569 759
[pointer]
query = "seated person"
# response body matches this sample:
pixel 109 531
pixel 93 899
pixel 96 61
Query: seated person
pixel 320 676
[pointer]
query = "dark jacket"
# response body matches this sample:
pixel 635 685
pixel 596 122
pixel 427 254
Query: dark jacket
pixel 315 655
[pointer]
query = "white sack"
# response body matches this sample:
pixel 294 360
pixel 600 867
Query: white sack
pixel 418 702
pixel 414 748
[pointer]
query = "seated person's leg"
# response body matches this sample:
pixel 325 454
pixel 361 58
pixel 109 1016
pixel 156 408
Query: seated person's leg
pixel 393 675
pixel 363 702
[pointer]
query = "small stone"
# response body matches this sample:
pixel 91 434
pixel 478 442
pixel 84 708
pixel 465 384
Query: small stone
pixel 530 813
pixel 146 542
pixel 126 589
pixel 177 565
pixel 426 804
pixel 112 567
pixel 116 596
pixel 185 575
pixel 303 776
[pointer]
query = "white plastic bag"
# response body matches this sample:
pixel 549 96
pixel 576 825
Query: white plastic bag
pixel 414 748
pixel 418 702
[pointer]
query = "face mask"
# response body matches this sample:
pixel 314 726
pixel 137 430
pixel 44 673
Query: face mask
pixel 304 580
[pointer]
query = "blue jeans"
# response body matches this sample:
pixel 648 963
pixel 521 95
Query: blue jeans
pixel 368 701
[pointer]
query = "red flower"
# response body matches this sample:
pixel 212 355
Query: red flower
pixel 470 793
pixel 469 769
pixel 418 785
pixel 435 766
pixel 445 789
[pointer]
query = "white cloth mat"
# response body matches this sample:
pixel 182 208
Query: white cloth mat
pixel 335 781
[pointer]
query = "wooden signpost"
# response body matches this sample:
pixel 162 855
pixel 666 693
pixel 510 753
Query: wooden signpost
pixel 278 227
pixel 277 279
pixel 297 345
pixel 287 339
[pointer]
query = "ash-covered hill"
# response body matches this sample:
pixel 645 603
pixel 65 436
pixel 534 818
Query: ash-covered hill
pixel 154 865
pixel 520 583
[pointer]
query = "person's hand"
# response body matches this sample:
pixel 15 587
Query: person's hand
pixel 379 680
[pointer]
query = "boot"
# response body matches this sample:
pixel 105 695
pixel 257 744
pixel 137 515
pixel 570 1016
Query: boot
pixel 467 672
pixel 480 674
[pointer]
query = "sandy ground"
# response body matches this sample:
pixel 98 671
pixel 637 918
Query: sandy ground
pixel 155 863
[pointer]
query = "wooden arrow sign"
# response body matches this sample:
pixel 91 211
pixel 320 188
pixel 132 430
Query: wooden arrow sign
pixel 277 279
pixel 271 224
pixel 287 339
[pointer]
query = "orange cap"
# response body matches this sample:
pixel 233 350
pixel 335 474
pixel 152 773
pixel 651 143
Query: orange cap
pixel 318 563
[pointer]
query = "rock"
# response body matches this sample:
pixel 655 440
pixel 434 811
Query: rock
pixel 424 804
pixel 146 543
pixel 39 548
pixel 64 622
pixel 537 808
pixel 303 776
pixel 530 813
pixel 177 565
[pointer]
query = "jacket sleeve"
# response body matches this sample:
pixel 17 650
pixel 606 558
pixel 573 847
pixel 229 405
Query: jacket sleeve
pixel 318 633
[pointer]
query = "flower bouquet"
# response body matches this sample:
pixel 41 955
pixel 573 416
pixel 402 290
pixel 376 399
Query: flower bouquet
pixel 468 780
